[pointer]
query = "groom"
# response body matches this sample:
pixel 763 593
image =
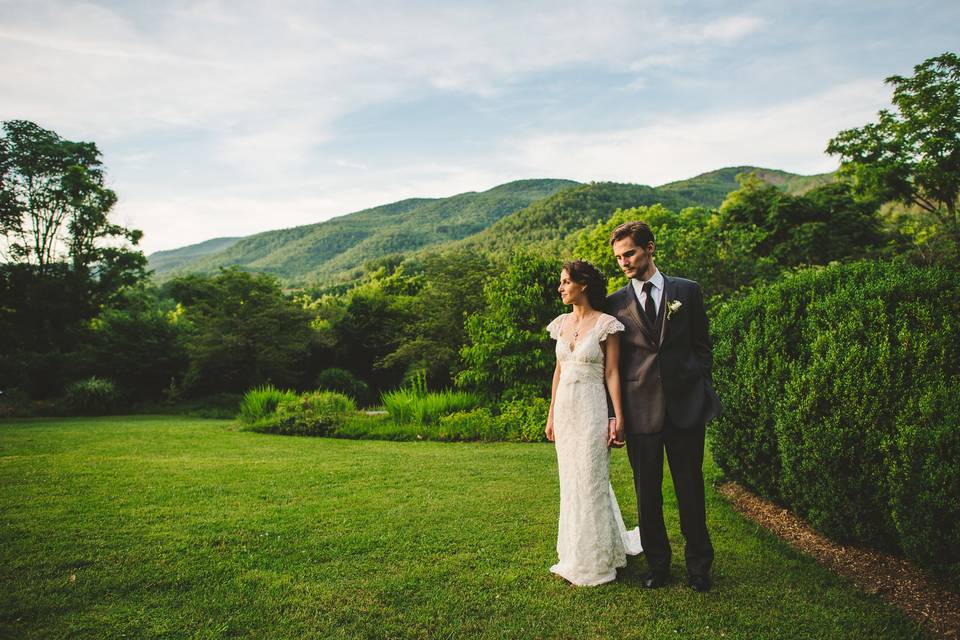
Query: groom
pixel 668 397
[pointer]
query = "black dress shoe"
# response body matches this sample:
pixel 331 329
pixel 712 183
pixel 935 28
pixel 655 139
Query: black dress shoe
pixel 654 580
pixel 700 584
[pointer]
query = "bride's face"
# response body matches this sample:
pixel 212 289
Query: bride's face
pixel 570 291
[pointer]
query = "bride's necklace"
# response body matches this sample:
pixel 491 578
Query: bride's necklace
pixel 576 329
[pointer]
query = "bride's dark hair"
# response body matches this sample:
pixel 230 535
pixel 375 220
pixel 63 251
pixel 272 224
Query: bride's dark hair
pixel 584 273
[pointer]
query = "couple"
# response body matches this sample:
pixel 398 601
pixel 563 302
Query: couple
pixel 652 356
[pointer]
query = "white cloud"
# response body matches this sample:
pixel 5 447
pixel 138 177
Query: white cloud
pixel 729 29
pixel 178 221
pixel 222 118
pixel 206 63
pixel 788 136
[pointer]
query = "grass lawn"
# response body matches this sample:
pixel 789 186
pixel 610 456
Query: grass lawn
pixel 147 527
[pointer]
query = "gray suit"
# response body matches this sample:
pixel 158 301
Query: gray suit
pixel 668 397
pixel 665 370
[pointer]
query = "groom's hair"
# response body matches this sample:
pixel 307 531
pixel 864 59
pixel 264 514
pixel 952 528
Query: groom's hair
pixel 638 231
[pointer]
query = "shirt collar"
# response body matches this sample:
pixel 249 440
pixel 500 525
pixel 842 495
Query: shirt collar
pixel 656 280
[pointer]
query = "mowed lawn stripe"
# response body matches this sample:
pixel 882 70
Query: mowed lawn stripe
pixel 168 527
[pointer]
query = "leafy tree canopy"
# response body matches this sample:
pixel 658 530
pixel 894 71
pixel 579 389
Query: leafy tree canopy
pixel 912 153
pixel 54 207
pixel 757 233
pixel 509 351
pixel 240 331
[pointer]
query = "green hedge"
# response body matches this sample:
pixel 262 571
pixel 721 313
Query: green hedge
pixel 840 389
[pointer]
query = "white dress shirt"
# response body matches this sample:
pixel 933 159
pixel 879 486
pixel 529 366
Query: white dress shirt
pixel 657 291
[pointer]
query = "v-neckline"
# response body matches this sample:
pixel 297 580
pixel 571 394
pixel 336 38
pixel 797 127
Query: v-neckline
pixel 572 345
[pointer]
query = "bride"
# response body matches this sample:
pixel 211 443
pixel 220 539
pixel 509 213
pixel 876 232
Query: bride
pixel 592 541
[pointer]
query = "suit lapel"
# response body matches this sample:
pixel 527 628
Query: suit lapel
pixel 664 304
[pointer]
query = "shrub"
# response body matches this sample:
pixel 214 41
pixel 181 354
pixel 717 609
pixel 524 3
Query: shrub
pixel 14 403
pixel 839 386
pixel 524 420
pixel 92 396
pixel 311 414
pixel 416 406
pixel 342 381
pixel 261 402
pixel 476 424
pixel 923 479
pixel 375 427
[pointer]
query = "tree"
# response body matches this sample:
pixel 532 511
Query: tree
pixel 694 243
pixel 912 154
pixel 358 328
pixel 758 232
pixel 61 259
pixel 452 290
pixel 509 352
pixel 134 343
pixel 240 331
pixel 54 207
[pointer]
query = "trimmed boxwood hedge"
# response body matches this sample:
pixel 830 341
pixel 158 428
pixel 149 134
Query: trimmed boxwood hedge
pixel 840 388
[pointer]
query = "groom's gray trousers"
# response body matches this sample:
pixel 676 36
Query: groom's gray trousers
pixel 684 449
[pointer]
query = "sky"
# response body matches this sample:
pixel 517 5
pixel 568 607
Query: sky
pixel 229 118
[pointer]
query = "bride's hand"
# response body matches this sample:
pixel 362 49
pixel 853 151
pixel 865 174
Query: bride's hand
pixel 615 435
pixel 549 429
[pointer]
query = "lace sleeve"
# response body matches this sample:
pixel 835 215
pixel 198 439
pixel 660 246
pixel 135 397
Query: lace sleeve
pixel 608 325
pixel 554 326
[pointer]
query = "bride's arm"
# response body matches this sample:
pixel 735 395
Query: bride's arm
pixel 612 378
pixel 553 396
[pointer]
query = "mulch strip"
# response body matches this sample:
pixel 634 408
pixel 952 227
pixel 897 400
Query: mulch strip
pixel 892 579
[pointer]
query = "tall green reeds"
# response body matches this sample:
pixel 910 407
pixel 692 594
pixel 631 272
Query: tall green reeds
pixel 261 402
pixel 416 405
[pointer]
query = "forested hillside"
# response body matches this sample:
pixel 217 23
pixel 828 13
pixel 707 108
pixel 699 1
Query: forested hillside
pixel 337 248
pixel 161 261
pixel 521 213
pixel 548 222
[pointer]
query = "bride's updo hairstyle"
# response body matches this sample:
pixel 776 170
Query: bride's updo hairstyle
pixel 585 273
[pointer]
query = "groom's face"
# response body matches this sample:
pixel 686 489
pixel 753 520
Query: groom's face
pixel 635 261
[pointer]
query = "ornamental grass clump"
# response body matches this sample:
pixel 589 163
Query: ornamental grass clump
pixel 413 406
pixel 261 402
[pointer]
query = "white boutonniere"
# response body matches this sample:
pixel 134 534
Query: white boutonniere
pixel 672 307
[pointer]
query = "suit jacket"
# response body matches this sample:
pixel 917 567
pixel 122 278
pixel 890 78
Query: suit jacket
pixel 665 368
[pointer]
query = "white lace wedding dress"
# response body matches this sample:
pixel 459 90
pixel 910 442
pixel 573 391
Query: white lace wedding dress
pixel 592 541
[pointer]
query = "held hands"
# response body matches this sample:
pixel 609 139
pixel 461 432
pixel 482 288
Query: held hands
pixel 615 433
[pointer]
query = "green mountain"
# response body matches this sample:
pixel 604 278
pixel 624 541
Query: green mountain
pixel 173 258
pixel 335 248
pixel 540 213
pixel 546 223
